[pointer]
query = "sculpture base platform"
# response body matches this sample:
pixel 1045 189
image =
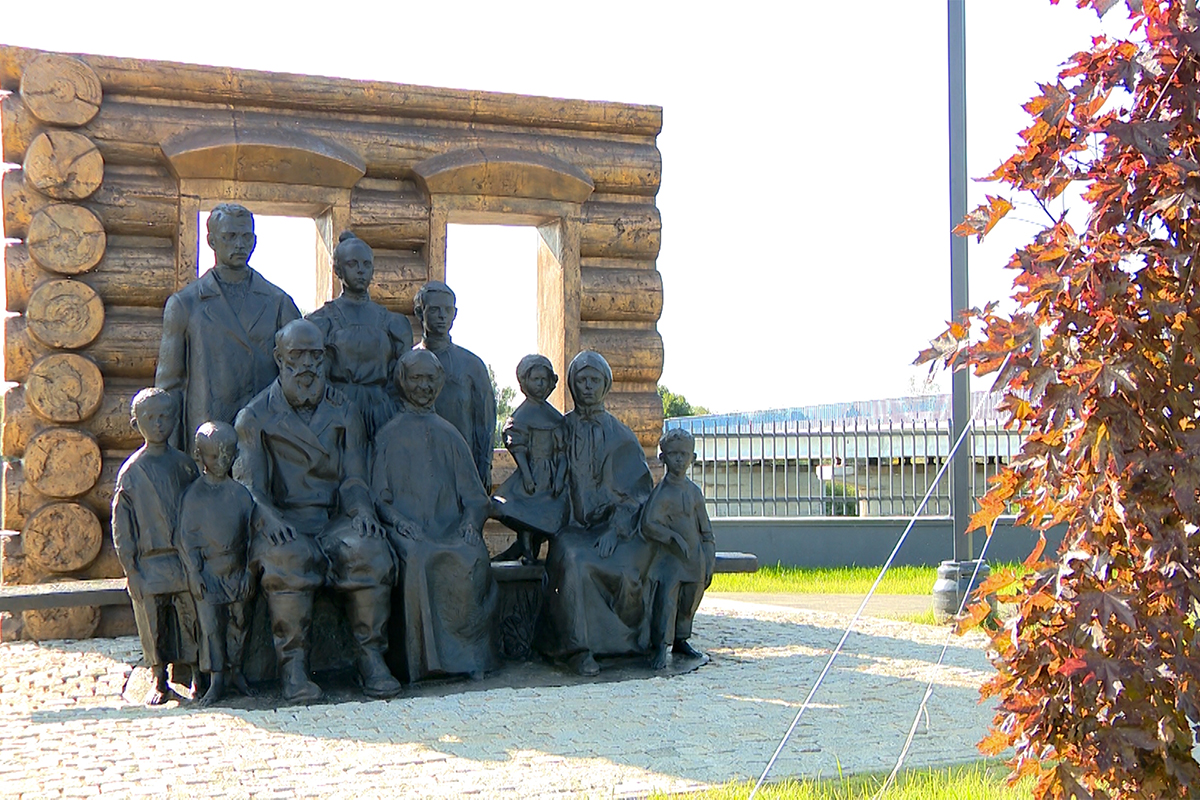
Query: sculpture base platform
pixel 340 686
pixel 333 649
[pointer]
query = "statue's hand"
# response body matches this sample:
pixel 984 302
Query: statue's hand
pixel 197 589
pixel 276 530
pixel 367 526
pixel 527 482
pixel 407 530
pixel 607 543
pixel 470 533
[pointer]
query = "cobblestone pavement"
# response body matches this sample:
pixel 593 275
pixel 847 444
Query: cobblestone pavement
pixel 67 730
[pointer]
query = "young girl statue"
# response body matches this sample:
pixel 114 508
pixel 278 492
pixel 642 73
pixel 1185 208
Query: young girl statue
pixel 532 501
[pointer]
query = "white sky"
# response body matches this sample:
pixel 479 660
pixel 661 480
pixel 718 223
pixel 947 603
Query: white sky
pixel 805 251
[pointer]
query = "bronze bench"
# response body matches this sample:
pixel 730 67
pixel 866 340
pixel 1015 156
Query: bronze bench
pixel 111 591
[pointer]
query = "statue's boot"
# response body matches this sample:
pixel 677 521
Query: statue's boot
pixel 368 610
pixel 291 621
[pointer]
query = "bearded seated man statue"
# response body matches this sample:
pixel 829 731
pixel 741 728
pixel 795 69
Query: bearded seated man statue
pixel 303 457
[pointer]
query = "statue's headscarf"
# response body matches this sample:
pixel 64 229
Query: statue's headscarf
pixel 589 358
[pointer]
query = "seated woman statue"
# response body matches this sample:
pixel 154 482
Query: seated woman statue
pixel 596 567
pixel 429 495
pixel 363 340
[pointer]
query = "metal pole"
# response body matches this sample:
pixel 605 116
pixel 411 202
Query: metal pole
pixel 960 386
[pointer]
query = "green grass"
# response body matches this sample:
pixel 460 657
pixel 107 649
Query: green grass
pixel 979 780
pixel 926 617
pixel 834 580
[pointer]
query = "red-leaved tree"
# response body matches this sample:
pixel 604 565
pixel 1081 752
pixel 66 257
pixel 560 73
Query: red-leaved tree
pixel 1098 670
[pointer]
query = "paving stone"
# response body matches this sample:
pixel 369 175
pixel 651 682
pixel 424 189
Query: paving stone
pixel 69 730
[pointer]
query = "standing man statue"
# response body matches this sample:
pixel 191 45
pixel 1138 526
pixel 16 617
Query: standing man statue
pixel 219 330
pixel 303 456
pixel 467 401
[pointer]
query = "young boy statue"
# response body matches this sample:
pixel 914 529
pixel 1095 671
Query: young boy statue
pixel 145 510
pixel 214 542
pixel 674 517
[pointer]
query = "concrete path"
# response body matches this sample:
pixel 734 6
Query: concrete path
pixel 68 731
pixel 883 606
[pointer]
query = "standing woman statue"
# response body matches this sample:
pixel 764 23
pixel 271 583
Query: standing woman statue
pixel 597 567
pixel 363 340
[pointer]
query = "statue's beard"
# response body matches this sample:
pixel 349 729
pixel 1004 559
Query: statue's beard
pixel 302 388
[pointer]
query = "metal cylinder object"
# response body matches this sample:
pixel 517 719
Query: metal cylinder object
pixel 954 582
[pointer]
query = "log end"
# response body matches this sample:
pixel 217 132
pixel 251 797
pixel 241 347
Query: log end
pixel 64 165
pixel 67 239
pixel 62 537
pixel 61 90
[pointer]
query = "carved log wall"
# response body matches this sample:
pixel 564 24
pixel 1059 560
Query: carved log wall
pixel 116 156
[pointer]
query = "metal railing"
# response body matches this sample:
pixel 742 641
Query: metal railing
pixel 845 468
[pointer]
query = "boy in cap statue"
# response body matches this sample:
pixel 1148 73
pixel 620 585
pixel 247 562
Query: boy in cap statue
pixel 675 518
pixel 145 511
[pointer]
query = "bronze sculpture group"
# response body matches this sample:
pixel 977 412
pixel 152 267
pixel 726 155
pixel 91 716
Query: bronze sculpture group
pixel 328 452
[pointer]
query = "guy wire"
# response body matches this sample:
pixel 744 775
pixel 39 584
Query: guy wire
pixel 862 606
pixel 922 706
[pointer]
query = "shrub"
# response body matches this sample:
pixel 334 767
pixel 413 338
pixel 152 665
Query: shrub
pixel 833 505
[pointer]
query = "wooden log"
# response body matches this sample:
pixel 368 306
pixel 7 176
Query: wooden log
pixel 65 314
pixel 62 537
pixel 646 265
pixel 130 201
pixel 18 127
pixel 60 90
pixel 66 239
pixel 620 295
pixel 641 411
pixel 127 346
pixel 20 350
pixel 72 622
pixel 105 565
pixel 140 271
pixel 391 220
pixel 109 425
pixel 64 388
pixel 64 165
pixel 15 569
pixel 619 230
pixel 62 462
pixel 635 354
pixel 21 499
pixel 398 276
pixel 131 133
pixel 116 621
pixel 18 570
pixel 206 84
